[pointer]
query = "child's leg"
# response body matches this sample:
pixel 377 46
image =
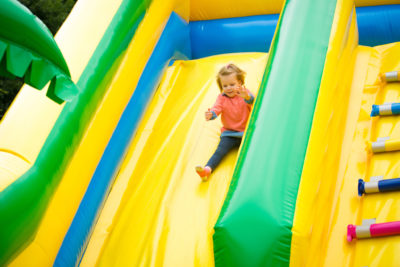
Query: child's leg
pixel 225 145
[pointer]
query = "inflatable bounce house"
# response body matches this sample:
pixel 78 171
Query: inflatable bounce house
pixel 97 151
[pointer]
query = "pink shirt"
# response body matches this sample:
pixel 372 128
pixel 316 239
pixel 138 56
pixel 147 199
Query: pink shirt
pixel 235 112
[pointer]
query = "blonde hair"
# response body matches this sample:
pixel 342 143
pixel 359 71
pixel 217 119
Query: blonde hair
pixel 228 70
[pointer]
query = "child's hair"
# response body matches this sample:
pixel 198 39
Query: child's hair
pixel 229 69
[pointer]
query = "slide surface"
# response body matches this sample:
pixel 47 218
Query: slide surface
pixel 159 213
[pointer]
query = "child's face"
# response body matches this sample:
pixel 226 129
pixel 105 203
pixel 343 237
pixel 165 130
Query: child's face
pixel 230 84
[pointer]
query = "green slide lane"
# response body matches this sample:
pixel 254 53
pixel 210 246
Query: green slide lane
pixel 254 227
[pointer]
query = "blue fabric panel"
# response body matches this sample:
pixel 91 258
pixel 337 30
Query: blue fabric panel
pixel 378 25
pixel 245 34
pixel 174 43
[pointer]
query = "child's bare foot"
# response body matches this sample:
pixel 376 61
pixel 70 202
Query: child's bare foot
pixel 203 172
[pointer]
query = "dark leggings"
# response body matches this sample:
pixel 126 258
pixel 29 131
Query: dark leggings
pixel 225 145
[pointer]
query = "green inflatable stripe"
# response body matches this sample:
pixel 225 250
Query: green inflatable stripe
pixel 23 203
pixel 254 227
pixel 27 49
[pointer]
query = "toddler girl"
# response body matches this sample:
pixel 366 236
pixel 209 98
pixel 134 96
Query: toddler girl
pixel 234 104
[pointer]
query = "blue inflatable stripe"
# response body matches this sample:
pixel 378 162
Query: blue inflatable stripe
pixel 174 43
pixel 232 35
pixel 378 25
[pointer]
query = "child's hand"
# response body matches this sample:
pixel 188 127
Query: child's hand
pixel 242 92
pixel 208 115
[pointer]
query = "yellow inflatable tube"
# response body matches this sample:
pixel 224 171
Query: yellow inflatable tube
pixel 209 9
pixel 326 136
pixel 338 154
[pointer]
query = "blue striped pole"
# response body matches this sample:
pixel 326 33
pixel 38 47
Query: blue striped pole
pixel 385 109
pixel 377 185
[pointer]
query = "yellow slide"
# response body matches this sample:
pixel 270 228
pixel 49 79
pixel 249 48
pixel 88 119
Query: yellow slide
pixel 170 131
pixel 159 212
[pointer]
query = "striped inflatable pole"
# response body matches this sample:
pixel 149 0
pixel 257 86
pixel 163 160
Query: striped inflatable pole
pixel 385 109
pixel 384 144
pixel 391 76
pixel 370 229
pixel 377 185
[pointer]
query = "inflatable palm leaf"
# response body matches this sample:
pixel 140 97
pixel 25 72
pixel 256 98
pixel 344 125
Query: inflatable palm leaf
pixel 28 50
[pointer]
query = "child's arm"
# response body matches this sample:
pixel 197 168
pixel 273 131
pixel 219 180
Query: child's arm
pixel 209 115
pixel 244 93
pixel 212 113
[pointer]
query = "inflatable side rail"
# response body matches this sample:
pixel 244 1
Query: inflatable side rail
pixel 28 50
pixel 370 229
